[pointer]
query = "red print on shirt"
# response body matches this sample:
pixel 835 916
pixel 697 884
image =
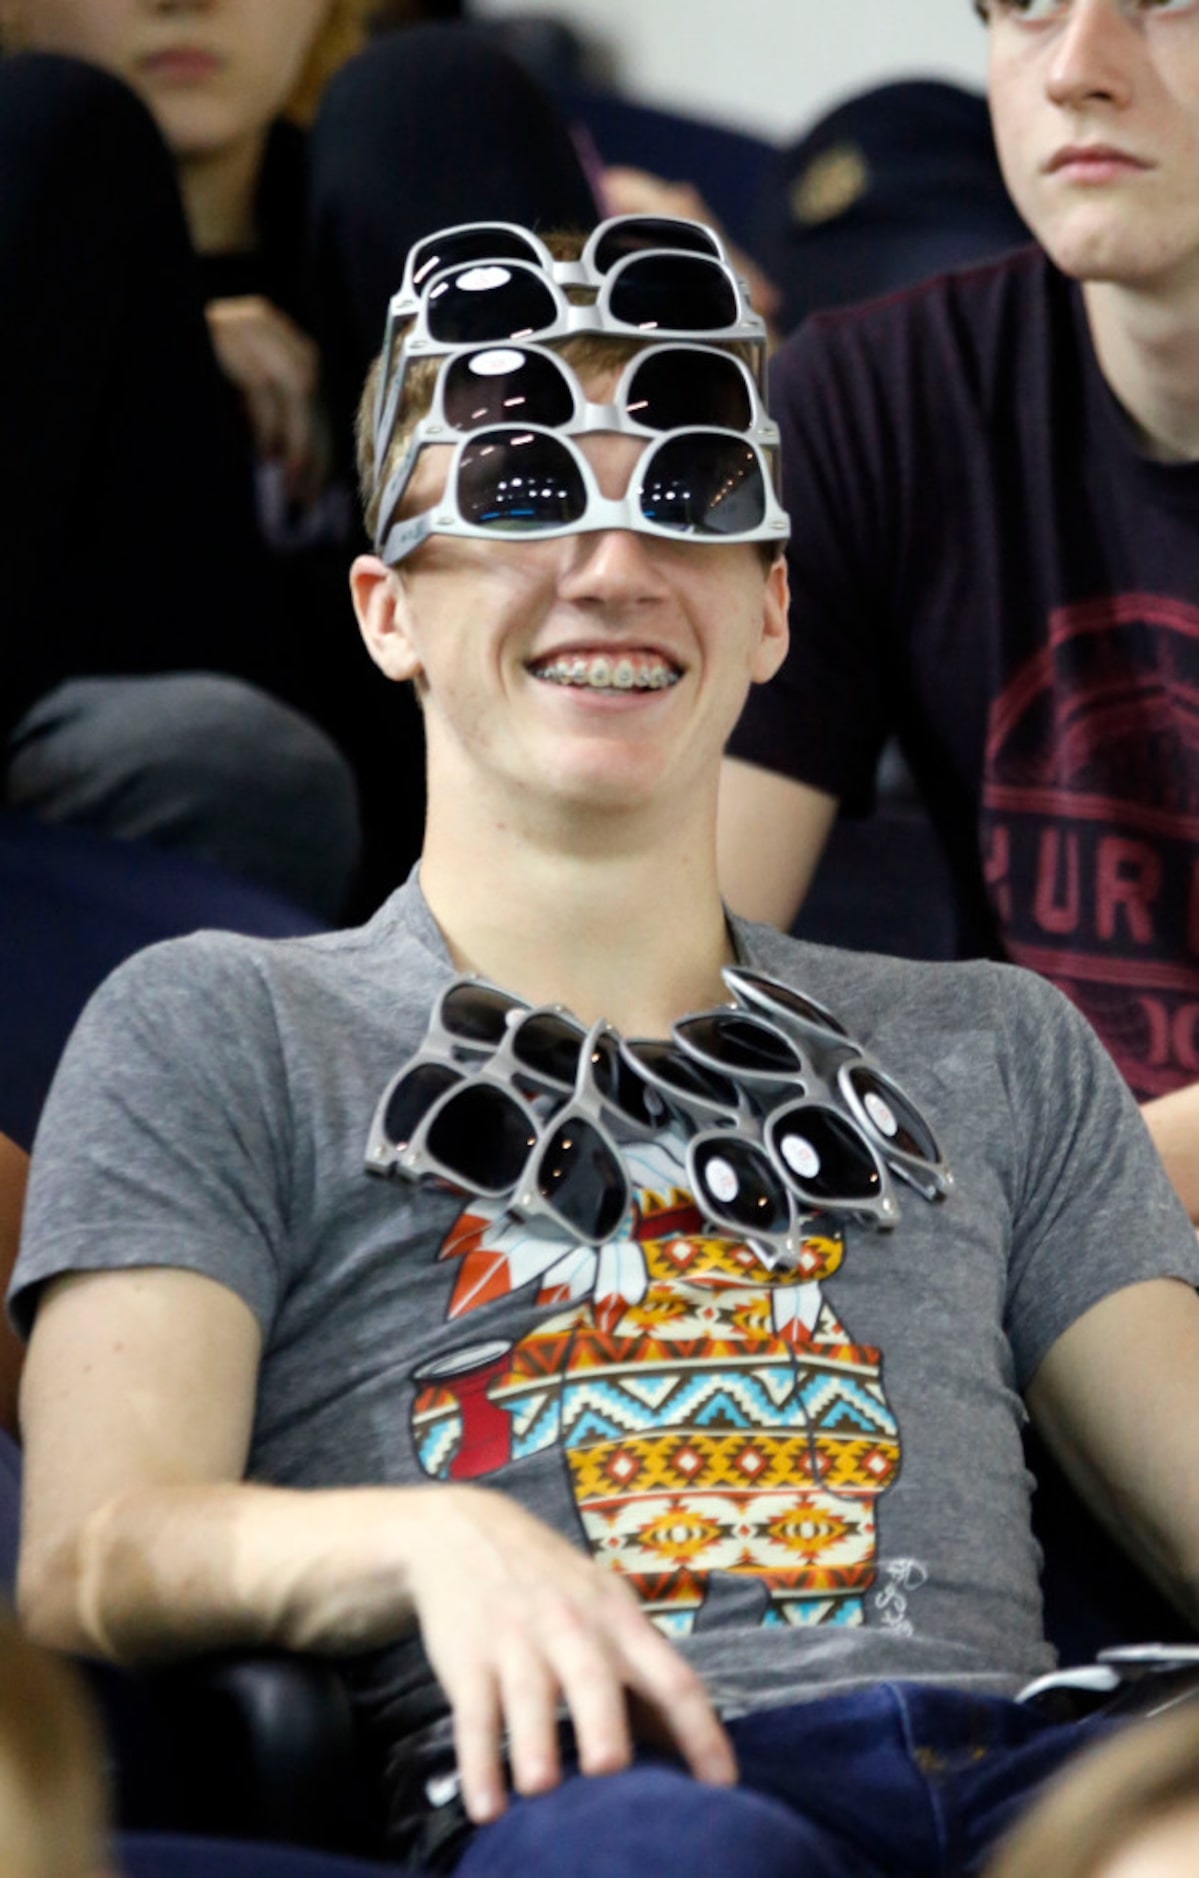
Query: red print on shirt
pixel 1091 825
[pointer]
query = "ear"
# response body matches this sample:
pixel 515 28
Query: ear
pixel 775 637
pixel 384 617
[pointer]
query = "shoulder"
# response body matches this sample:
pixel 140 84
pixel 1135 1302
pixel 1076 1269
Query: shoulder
pixel 969 324
pixel 922 1006
pixel 221 996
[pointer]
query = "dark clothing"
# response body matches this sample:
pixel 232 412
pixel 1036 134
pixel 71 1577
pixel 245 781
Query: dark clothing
pixel 127 471
pixel 127 533
pixel 893 1781
pixel 983 562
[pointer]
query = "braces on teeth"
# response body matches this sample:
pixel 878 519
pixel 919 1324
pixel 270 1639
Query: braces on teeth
pixel 604 674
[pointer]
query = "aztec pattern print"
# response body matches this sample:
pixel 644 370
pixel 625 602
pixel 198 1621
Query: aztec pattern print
pixel 713 1413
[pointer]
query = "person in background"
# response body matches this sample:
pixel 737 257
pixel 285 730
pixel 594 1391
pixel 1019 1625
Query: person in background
pixel 995 489
pixel 1128 1808
pixel 53 1800
pixel 232 267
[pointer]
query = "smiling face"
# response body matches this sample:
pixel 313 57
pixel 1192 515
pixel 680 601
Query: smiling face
pixel 600 671
pixel 212 72
pixel 1096 111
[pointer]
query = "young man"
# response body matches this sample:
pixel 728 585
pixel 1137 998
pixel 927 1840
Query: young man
pixel 996 514
pixel 673 1478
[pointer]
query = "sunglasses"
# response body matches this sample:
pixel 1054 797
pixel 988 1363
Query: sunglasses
pixel 651 294
pixel 666 387
pixel 738 1187
pixel 577 1176
pixel 474 1133
pixel 690 1090
pixel 703 485
pixel 829 1162
pixel 887 1115
pixel 745 1046
pixel 612 241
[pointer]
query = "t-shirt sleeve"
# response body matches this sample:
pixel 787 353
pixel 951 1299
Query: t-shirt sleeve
pixel 823 718
pixel 1094 1210
pixel 161 1142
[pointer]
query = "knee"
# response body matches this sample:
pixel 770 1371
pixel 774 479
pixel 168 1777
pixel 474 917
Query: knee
pixel 202 763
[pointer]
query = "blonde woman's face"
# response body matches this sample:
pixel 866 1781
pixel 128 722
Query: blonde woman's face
pixel 213 72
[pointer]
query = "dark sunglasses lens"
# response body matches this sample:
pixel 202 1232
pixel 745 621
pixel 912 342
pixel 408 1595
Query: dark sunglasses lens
pixel 581 1176
pixel 504 386
pixel 483 1137
pixel 413 1097
pixel 650 231
pixel 739 1043
pixel 622 1088
pixel 674 293
pixel 704 485
pixel 894 1119
pixel 519 482
pixel 476 1013
pixel 488 302
pixel 675 387
pixel 824 1155
pixel 455 248
pixel 548 1046
pixel 806 1010
pixel 740 1186
pixel 681 1073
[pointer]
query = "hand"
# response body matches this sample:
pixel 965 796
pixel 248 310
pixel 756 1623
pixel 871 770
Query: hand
pixel 275 367
pixel 516 1620
pixel 628 191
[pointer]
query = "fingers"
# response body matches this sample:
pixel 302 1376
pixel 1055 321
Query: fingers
pixel 275 366
pixel 476 1710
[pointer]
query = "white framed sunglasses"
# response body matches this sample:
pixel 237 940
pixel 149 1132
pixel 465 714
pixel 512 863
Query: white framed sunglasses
pixel 523 483
pixel 670 386
pixel 652 293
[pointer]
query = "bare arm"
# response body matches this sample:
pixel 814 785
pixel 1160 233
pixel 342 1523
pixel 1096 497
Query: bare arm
pixel 770 835
pixel 1173 1121
pixel 1117 1400
pixel 14 1168
pixel 141 1541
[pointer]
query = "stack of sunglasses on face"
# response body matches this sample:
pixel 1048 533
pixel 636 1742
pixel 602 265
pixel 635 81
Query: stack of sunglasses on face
pixel 490 302
pixel 781 1116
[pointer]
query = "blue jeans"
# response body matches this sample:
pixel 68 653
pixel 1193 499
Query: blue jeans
pixel 898 1779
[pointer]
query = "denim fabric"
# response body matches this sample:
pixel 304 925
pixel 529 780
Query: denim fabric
pixel 897 1780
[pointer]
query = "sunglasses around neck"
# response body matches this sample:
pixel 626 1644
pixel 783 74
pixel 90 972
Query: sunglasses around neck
pixel 665 387
pixel 522 483
pixel 886 1114
pixel 520 1104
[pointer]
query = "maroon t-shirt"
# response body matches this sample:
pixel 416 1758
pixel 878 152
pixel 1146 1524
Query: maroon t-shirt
pixel 983 562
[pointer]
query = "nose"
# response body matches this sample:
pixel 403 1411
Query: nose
pixel 1092 60
pixel 612 568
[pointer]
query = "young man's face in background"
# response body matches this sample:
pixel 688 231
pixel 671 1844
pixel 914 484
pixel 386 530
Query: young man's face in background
pixel 1096 111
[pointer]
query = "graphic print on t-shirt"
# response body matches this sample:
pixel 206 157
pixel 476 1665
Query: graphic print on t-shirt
pixel 1091 825
pixel 712 1412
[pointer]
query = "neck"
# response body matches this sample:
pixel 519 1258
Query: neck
pixel 1147 344
pixel 219 190
pixel 616 916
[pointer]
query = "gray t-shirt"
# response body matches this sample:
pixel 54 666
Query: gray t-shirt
pixel 813 1478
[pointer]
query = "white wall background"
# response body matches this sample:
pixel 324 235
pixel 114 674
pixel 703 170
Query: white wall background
pixel 768 66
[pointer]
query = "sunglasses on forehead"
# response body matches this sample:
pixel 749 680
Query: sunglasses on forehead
pixel 698 484
pixel 666 387
pixel 651 294
pixel 612 241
